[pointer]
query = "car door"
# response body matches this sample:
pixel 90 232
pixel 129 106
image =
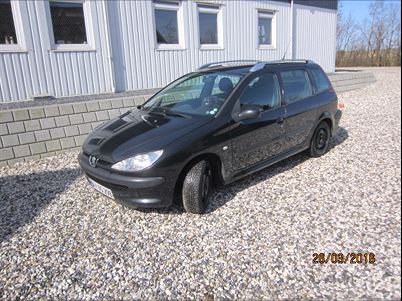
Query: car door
pixel 300 113
pixel 258 139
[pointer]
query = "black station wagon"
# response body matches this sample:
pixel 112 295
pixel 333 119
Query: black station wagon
pixel 209 128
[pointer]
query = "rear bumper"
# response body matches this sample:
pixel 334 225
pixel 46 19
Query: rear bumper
pixel 134 192
pixel 337 119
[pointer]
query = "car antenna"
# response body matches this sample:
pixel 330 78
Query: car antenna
pixel 286 51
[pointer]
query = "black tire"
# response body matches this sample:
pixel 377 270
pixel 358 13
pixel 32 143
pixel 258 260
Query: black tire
pixel 197 186
pixel 320 141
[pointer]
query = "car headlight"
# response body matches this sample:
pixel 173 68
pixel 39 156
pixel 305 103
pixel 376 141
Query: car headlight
pixel 138 162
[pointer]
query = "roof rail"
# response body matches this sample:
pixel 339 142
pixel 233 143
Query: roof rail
pixel 261 65
pixel 215 64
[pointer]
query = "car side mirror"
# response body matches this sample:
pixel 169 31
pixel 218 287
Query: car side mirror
pixel 249 113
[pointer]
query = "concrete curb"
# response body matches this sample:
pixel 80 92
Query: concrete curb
pixel 347 81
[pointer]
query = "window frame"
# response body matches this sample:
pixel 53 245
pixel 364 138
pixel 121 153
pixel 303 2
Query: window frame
pixel 308 78
pixel 245 85
pixel 267 14
pixel 175 6
pixel 211 9
pixel 90 45
pixel 19 32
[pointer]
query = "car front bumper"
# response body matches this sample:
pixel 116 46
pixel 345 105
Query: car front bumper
pixel 133 192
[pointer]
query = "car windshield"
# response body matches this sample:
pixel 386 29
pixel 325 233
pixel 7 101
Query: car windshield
pixel 195 94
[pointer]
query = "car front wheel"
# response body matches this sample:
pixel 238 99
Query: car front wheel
pixel 320 142
pixel 197 187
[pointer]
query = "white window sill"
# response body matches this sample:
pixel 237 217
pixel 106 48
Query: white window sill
pixel 266 47
pixel 211 47
pixel 163 47
pixel 209 2
pixel 11 48
pixel 71 47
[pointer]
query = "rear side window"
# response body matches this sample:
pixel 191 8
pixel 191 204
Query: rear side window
pixel 263 92
pixel 297 85
pixel 321 81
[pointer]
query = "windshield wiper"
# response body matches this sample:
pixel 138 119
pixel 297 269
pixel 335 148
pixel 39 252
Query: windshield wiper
pixel 167 111
pixel 174 113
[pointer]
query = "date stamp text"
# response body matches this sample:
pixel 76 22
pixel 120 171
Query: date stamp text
pixel 347 258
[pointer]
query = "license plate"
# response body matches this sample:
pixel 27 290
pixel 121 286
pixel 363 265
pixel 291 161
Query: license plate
pixel 102 189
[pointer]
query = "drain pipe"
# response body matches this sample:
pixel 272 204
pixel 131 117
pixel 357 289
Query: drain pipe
pixel 109 46
pixel 291 29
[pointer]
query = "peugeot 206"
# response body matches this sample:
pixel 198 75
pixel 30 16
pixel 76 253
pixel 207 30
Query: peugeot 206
pixel 209 128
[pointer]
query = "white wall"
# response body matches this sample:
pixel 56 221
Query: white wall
pixel 315 36
pixel 137 64
pixel 143 66
pixel 37 70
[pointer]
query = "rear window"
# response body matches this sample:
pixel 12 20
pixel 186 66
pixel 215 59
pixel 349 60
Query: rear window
pixel 297 85
pixel 321 81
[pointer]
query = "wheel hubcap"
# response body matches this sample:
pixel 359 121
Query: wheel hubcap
pixel 321 139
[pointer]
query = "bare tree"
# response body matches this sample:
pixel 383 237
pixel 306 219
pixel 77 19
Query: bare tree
pixel 346 29
pixel 374 42
pixel 393 24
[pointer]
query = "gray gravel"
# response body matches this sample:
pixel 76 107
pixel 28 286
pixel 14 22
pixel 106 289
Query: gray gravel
pixel 60 239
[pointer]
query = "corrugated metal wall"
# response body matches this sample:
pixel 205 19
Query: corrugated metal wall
pixel 136 62
pixel 144 66
pixel 329 4
pixel 41 71
pixel 315 35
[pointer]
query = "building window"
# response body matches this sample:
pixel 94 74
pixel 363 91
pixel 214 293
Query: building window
pixel 12 38
pixel 68 22
pixel 209 25
pixel 266 34
pixel 7 27
pixel 208 28
pixel 166 27
pixel 167 24
pixel 70 25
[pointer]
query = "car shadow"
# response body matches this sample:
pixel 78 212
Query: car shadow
pixel 339 138
pixel 226 193
pixel 23 197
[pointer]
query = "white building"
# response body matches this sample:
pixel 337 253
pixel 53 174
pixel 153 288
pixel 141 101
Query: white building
pixel 75 47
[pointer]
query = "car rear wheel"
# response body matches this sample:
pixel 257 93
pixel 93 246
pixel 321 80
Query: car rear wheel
pixel 197 187
pixel 320 142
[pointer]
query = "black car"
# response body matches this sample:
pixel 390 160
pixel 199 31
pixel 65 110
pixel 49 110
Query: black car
pixel 209 128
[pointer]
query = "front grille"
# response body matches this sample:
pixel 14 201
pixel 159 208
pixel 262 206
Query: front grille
pixel 101 163
pixel 111 186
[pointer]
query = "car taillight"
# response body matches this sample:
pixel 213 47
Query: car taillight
pixel 341 105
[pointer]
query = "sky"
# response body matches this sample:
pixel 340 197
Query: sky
pixel 359 8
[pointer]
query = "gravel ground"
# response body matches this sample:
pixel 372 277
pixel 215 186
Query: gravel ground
pixel 60 239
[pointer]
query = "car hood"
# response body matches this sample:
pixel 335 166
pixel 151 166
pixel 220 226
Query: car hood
pixel 137 132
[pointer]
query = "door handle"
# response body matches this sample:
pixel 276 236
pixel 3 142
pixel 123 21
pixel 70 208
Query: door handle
pixel 280 120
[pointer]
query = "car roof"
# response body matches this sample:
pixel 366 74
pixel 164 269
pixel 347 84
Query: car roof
pixel 236 70
pixel 237 67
